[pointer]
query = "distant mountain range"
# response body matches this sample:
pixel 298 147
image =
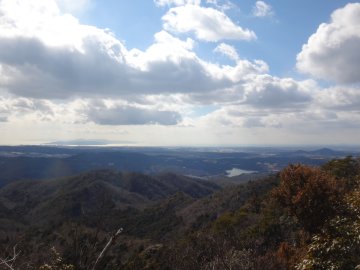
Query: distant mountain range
pixel 83 142
pixel 41 162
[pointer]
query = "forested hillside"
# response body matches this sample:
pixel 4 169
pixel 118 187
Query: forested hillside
pixel 301 218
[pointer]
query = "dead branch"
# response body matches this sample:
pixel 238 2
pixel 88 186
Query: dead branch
pixel 8 262
pixel 112 238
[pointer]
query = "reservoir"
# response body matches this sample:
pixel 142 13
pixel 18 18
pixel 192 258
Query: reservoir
pixel 235 172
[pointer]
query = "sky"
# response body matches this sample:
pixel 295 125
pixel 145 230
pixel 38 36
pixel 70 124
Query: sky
pixel 180 72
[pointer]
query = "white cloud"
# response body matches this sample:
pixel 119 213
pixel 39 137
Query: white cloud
pixel 59 74
pixel 33 69
pixel 227 50
pixel 207 24
pixel 339 99
pixel 332 53
pixel 263 101
pixel 166 48
pixel 241 117
pixel 309 122
pixel 43 20
pixel 99 111
pixel 265 91
pixel 130 115
pixel 222 5
pixel 177 2
pixel 47 54
pixel 262 9
pixel 41 110
pixel 72 6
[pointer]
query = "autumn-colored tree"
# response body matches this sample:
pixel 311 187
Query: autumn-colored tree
pixel 309 194
pixel 337 246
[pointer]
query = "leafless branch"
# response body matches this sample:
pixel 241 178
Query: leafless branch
pixel 8 262
pixel 112 238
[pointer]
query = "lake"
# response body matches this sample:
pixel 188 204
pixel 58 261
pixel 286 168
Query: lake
pixel 235 172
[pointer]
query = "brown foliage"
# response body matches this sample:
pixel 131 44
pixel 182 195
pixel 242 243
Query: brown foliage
pixel 309 194
pixel 287 255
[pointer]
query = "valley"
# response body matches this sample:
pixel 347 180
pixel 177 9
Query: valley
pixel 175 208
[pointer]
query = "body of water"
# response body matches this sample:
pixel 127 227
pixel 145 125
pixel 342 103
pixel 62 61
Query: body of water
pixel 235 172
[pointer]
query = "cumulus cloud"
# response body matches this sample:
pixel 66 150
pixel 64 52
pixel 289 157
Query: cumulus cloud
pixel 47 54
pixel 332 53
pixel 176 2
pixel 24 108
pixel 267 102
pixel 80 111
pixel 227 50
pixel 43 20
pixel 268 121
pixel 206 24
pixel 312 120
pixel 170 66
pixel 132 116
pixel 242 117
pixel 262 101
pixel 222 5
pixel 339 98
pixel 263 91
pixel 34 70
pixel 266 91
pixel 73 6
pixel 262 9
pixel 44 53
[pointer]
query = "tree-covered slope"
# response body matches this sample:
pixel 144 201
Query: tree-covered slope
pixel 302 218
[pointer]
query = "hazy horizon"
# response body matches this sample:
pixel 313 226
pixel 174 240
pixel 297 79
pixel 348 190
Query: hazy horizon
pixel 258 147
